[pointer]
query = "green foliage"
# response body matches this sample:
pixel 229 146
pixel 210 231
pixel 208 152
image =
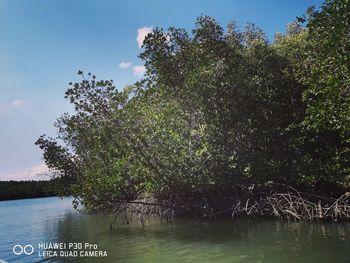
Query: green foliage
pixel 216 108
pixel 328 95
pixel 320 60
pixel 235 81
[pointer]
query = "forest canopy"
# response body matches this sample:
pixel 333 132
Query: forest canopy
pixel 217 107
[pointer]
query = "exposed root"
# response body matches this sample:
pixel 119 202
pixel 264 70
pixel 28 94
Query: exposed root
pixel 287 203
pixel 293 206
pixel 140 209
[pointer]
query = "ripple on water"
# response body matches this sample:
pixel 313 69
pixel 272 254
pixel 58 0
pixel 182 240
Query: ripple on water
pixel 51 219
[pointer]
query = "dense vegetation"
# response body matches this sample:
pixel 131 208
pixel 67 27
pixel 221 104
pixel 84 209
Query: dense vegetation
pixel 24 189
pixel 217 108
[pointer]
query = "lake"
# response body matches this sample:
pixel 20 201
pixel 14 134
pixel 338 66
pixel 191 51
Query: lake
pixel 40 222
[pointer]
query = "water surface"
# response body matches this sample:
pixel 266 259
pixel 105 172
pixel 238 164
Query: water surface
pixel 31 221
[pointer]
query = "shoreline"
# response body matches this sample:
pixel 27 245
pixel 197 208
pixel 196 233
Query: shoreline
pixel 13 190
pixel 33 197
pixel 287 204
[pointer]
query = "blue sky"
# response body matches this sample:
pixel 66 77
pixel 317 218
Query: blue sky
pixel 44 42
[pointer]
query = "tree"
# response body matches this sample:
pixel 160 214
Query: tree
pixel 217 107
pixel 320 60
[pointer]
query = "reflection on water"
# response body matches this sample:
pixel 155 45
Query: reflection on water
pixel 53 220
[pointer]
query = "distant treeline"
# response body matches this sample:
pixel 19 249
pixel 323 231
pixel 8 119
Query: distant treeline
pixel 24 189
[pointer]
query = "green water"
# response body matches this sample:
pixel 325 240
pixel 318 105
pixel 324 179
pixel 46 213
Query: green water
pixel 53 220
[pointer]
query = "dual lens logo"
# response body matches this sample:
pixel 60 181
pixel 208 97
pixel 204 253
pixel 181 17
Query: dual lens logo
pixel 19 250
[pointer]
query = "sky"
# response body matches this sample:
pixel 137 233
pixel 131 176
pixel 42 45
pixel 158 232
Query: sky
pixel 43 43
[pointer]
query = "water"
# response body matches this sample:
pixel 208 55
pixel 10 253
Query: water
pixel 32 221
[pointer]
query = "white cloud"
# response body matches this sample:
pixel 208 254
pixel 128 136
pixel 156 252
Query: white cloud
pixel 139 70
pixel 37 172
pixel 124 65
pixel 7 108
pixel 17 103
pixel 141 34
